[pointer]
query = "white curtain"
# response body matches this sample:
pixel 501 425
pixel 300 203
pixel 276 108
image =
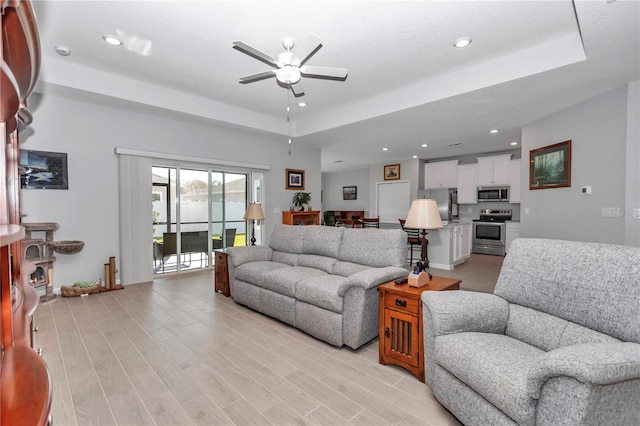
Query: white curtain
pixel 136 230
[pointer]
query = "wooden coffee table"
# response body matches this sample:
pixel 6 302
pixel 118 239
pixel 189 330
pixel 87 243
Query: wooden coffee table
pixel 400 327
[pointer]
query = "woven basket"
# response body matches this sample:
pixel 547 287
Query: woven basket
pixel 77 291
pixel 67 247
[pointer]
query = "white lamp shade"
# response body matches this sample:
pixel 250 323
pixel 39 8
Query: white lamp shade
pixel 423 214
pixel 254 212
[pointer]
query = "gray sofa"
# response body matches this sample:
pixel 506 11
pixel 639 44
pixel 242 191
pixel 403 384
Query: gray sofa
pixel 320 279
pixel 558 343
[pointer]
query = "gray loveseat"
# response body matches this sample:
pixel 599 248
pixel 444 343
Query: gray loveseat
pixel 558 343
pixel 320 279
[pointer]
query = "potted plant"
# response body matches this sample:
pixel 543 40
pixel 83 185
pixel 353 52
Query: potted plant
pixel 300 199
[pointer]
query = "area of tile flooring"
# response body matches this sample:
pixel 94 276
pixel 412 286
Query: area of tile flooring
pixel 172 352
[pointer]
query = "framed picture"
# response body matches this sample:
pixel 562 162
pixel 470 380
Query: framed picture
pixel 349 192
pixel 392 172
pixel 43 170
pixel 550 167
pixel 295 179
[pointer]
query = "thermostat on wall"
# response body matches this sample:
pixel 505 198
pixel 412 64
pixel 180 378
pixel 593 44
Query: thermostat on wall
pixel 586 190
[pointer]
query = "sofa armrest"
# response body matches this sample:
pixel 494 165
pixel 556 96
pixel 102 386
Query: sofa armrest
pixel 590 363
pixel 244 254
pixel 372 277
pixel 451 312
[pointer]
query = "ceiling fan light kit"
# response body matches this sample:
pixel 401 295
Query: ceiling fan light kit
pixel 289 64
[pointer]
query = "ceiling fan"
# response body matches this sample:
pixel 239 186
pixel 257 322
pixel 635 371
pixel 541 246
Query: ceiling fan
pixel 289 65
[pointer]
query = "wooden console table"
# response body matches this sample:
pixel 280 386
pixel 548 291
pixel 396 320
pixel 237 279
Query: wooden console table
pixel 400 323
pixel 301 217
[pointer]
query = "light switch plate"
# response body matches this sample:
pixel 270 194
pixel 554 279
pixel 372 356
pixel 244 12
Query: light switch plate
pixel 611 212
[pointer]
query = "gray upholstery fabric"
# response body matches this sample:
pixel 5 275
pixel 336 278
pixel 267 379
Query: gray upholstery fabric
pixel 253 272
pixel 321 291
pixel 555 345
pixel 547 332
pixel 493 365
pixel 322 240
pixel 318 262
pixel 320 323
pixel 290 259
pixel 594 285
pixel 302 279
pixel 591 363
pixel 374 247
pixel 241 255
pixel 347 268
pixel 288 238
pixel 283 280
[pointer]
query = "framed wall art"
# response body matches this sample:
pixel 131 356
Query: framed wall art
pixel 349 192
pixel 43 170
pixel 295 179
pixel 392 172
pixel 550 166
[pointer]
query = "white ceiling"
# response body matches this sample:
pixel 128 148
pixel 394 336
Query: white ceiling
pixel 407 84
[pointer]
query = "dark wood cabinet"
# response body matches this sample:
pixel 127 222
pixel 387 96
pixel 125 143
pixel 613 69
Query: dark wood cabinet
pixel 221 273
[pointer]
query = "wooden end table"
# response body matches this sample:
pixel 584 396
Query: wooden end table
pixel 221 272
pixel 400 324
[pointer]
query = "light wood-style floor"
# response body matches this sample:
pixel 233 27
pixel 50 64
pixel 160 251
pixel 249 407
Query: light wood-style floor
pixel 172 352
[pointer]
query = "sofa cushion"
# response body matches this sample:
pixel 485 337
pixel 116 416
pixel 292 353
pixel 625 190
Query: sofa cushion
pixel 548 332
pixel 253 272
pixel 290 259
pixel 346 269
pixel 322 240
pixel 283 280
pixel 318 262
pixel 374 247
pixel 591 284
pixel 495 366
pixel 288 238
pixel 321 291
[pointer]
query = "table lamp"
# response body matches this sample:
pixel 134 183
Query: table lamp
pixel 423 215
pixel 253 213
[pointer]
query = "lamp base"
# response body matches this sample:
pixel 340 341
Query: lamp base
pixel 253 233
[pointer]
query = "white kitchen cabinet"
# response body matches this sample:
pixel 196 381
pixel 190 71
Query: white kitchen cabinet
pixel 494 170
pixel 514 181
pixel 441 174
pixel 460 243
pixel 511 233
pixel 467 184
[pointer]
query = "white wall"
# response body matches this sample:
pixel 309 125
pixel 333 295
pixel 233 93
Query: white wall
pixel 332 184
pixel 88 133
pixel 601 142
pixel 632 193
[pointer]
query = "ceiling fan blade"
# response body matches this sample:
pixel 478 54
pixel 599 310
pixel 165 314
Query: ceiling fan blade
pixel 325 72
pixel 297 89
pixel 255 53
pixel 308 47
pixel 257 76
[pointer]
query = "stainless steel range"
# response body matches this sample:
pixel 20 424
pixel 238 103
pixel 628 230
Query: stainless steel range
pixel 489 232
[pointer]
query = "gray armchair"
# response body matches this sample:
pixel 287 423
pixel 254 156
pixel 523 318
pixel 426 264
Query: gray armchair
pixel 558 343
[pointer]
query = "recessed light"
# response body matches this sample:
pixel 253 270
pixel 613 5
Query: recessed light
pixel 514 143
pixel 302 104
pixel 424 145
pixel 414 156
pixel 112 40
pixel 63 50
pixel 494 131
pixel 462 42
pixel 385 149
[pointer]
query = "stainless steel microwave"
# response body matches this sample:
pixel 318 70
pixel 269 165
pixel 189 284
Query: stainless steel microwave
pixel 493 193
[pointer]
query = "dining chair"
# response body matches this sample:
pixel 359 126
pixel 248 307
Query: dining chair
pixel 413 238
pixel 371 222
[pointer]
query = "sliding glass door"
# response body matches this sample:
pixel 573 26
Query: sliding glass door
pixel 195 211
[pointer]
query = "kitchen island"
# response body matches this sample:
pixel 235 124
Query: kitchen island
pixel 449 246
